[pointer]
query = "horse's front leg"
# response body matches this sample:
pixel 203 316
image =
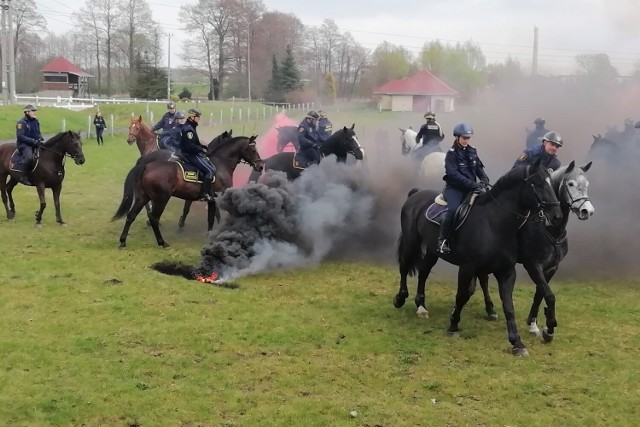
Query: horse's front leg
pixel 43 204
pixel 185 212
pixel 543 290
pixel 488 302
pixel 3 192
pixel 506 282
pixel 466 276
pixel 56 202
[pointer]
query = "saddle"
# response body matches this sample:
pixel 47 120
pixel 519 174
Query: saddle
pixel 16 163
pixel 190 173
pixel 300 161
pixel 437 210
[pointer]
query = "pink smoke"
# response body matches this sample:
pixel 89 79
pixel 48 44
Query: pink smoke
pixel 267 147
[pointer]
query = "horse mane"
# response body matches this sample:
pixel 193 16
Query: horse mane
pixel 56 138
pixel 505 182
pixel 224 142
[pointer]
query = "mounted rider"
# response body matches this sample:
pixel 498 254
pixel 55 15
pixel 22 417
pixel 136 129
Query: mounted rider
pixel 194 152
pixel 308 140
pixel 28 138
pixel 547 152
pixel 463 168
pixel 325 128
pixel 168 120
pixel 170 139
pixel 430 133
pixel 536 135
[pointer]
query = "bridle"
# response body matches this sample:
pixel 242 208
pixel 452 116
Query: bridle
pixel 572 201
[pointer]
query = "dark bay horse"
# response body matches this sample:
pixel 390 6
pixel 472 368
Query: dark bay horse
pixel 486 243
pixel 48 173
pixel 157 181
pixel 287 135
pixel 146 140
pixel 541 248
pixel 344 141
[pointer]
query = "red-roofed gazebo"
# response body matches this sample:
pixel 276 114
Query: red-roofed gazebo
pixel 62 76
pixel 421 92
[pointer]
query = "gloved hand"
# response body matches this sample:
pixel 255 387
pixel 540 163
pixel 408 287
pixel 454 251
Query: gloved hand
pixel 485 180
pixel 480 188
pixel 41 139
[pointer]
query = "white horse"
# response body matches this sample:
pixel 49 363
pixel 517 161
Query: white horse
pixel 432 166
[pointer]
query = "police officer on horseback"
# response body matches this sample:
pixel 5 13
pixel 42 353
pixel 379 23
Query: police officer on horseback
pixel 535 136
pixel 325 129
pixel 547 152
pixel 430 133
pixel 170 139
pixel 195 153
pixel 308 140
pixel 463 168
pixel 168 120
pixel 28 138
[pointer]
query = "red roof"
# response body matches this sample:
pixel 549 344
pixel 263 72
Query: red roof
pixel 422 83
pixel 62 65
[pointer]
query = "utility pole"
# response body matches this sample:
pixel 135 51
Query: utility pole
pixel 534 62
pixel 169 35
pixel 4 67
pixel 11 56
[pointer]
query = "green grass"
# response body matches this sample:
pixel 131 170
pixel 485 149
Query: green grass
pixel 92 336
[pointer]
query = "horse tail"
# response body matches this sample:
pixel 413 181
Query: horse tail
pixel 128 196
pixel 412 192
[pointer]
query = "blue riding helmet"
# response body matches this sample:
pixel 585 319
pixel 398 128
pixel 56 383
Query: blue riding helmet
pixel 313 115
pixel 180 115
pixel 171 105
pixel 430 116
pixel 539 121
pixel 462 129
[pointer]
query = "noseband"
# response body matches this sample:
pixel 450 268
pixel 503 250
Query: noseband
pixel 583 199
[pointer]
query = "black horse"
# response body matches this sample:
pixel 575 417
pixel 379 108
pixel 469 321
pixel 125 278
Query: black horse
pixel 48 172
pixel 344 141
pixel 486 243
pixel 287 135
pixel 541 248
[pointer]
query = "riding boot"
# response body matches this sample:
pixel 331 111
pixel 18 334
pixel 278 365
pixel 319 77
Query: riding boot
pixel 205 191
pixel 445 231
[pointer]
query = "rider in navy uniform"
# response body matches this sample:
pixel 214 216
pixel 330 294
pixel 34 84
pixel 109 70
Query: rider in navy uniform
pixel 170 140
pixel 430 132
pixel 463 168
pixel 168 120
pixel 194 152
pixel 546 151
pixel 308 138
pixel 325 129
pixel 535 136
pixel 28 137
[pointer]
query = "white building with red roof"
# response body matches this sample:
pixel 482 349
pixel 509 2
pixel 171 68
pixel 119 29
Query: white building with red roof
pixel 421 92
pixel 62 78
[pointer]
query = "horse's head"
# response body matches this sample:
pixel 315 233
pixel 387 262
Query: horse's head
pixel 350 140
pixel 250 154
pixel 541 196
pixel 408 140
pixel 67 143
pixel 136 127
pixel 573 188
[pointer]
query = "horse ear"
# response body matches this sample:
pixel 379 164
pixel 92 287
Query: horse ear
pixel 586 167
pixel 230 132
pixel 344 129
pixel 570 167
pixel 140 118
pixel 402 130
pixel 353 126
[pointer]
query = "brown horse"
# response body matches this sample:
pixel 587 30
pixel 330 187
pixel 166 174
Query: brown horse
pixel 48 172
pixel 159 180
pixel 147 143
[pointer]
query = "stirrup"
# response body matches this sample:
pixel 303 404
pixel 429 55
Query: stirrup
pixel 206 198
pixel 443 247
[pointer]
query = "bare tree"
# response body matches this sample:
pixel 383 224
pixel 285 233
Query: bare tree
pixel 136 31
pixel 26 20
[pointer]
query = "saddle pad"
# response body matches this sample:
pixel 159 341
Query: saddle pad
pixel 436 212
pixel 299 162
pixel 189 172
pixel 16 165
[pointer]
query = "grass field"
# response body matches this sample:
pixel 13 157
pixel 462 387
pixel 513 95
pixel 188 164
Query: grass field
pixel 92 336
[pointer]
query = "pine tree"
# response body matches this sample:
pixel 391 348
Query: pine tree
pixel 274 88
pixel 289 73
pixel 150 82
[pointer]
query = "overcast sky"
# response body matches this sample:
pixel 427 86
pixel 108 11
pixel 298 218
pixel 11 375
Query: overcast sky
pixel 500 27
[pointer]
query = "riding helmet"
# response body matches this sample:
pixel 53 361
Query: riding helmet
pixel 553 137
pixel 29 107
pixel 430 116
pixel 194 112
pixel 180 115
pixel 539 121
pixel 171 105
pixel 321 113
pixel 313 115
pixel 462 129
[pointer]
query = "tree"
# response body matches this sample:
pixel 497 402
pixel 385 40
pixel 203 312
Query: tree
pixel 390 62
pixel 289 73
pixel 330 89
pixel 597 67
pixel 185 94
pixel 137 31
pixel 150 83
pixel 274 89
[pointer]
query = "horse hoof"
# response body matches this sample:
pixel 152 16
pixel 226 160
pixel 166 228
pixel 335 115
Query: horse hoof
pixel 122 245
pixel 180 229
pixel 422 313
pixel 12 220
pixel 453 334
pixel 546 336
pixel 38 225
pixel 164 245
pixel 519 352
pixel 398 301
pixel 11 215
pixel 492 317
pixel 63 224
